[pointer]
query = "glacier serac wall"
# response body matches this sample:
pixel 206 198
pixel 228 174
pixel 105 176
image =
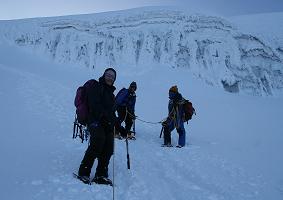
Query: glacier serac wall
pixel 209 47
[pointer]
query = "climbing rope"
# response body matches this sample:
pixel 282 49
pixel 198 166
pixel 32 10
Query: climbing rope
pixel 148 122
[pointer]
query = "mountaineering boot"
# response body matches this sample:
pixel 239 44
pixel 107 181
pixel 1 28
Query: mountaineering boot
pixel 102 180
pixel 118 136
pixel 84 179
pixel 130 136
pixel 167 145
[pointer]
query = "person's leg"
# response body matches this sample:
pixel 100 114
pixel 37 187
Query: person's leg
pixel 129 123
pixel 95 147
pixel 182 135
pixel 104 158
pixel 101 175
pixel 167 133
pixel 121 117
pixel 102 166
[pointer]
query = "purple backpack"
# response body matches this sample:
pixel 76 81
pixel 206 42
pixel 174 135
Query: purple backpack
pixel 81 102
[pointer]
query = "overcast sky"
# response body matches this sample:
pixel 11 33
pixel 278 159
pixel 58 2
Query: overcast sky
pixel 15 9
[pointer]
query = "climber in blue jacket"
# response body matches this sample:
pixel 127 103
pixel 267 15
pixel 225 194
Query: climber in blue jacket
pixel 125 105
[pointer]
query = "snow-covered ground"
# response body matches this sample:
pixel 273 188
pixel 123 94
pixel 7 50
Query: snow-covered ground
pixel 233 149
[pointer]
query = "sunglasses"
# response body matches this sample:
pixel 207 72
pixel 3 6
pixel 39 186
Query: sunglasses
pixel 134 88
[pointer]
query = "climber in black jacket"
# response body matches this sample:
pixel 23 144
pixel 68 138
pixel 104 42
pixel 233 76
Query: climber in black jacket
pixel 101 121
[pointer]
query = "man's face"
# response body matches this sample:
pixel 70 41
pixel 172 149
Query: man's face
pixel 172 95
pixel 132 89
pixel 109 77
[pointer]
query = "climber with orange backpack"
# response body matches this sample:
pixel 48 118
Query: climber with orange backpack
pixel 180 110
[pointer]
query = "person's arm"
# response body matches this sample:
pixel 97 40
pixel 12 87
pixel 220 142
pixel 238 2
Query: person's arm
pixel 131 104
pixel 170 114
pixel 170 108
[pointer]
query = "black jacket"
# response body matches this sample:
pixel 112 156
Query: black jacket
pixel 101 102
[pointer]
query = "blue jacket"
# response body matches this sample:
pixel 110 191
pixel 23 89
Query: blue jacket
pixel 127 99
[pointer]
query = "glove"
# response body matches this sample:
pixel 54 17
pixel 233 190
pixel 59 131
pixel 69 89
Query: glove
pixel 134 117
pixel 164 123
pixel 93 125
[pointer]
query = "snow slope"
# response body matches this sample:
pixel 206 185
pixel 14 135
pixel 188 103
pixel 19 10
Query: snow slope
pixel 208 47
pixel 232 152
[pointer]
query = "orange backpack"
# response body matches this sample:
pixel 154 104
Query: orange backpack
pixel 189 110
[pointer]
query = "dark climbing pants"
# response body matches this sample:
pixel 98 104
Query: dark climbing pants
pixel 101 146
pixel 123 116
